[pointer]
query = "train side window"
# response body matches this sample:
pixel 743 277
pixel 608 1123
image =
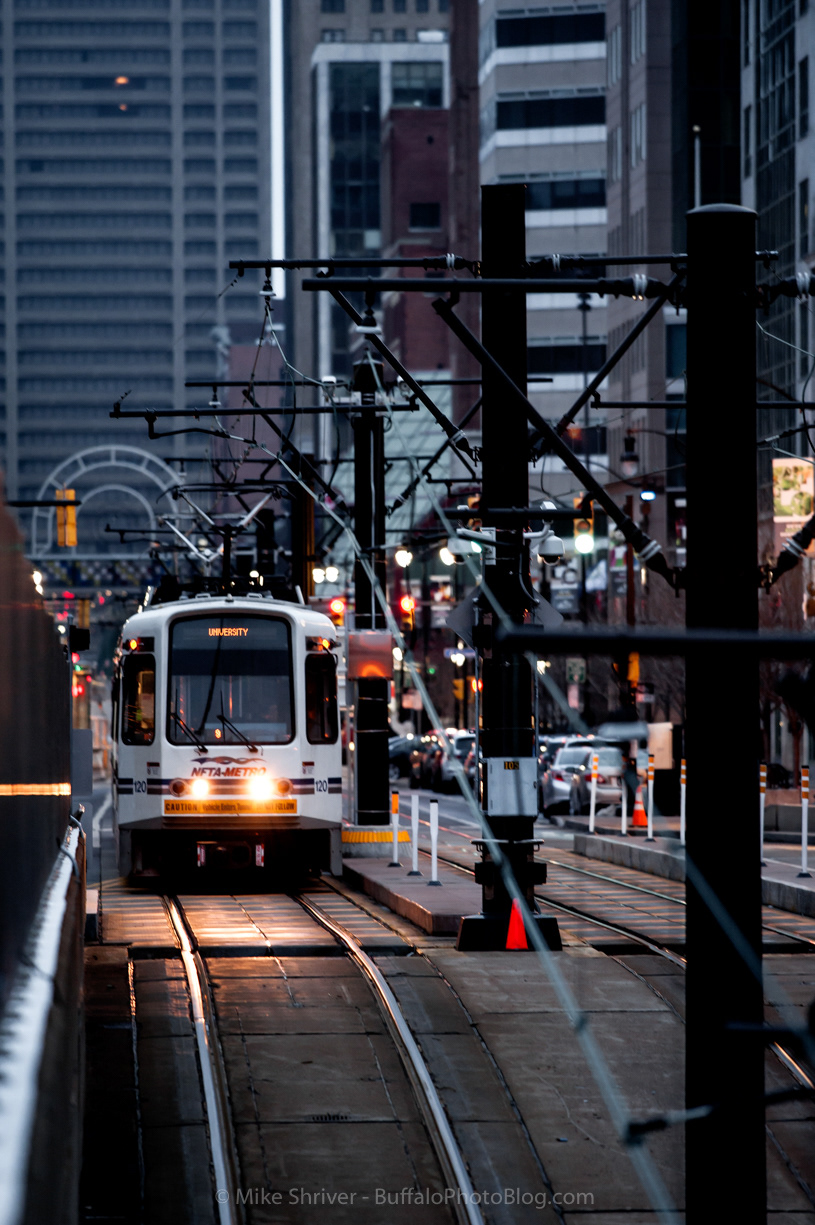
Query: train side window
pixel 138 699
pixel 322 725
pixel 114 706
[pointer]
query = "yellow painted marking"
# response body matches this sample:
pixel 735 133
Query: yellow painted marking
pixel 35 789
pixel 225 807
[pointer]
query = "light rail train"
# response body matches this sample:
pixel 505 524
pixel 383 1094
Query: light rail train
pixel 226 735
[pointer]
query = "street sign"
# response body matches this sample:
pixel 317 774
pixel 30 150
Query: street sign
pixel 467 652
pixel 576 671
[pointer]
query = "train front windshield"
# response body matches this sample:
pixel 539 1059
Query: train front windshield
pixel 230 681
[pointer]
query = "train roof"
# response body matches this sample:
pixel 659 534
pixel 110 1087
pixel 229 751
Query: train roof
pixel 255 602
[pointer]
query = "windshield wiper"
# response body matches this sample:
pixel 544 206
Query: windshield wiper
pixel 190 733
pixel 253 748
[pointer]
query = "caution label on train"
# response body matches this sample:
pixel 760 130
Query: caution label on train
pixel 225 807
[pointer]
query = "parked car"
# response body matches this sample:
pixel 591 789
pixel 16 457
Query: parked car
pixel 399 753
pixel 610 770
pixel 424 755
pixel 556 780
pixel 444 778
pixel 471 768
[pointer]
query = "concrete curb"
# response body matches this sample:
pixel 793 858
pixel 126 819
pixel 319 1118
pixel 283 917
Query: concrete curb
pixel 663 860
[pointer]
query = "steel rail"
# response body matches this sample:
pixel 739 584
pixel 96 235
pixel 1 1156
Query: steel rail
pixel 441 1134
pixel 212 1074
pixel 666 897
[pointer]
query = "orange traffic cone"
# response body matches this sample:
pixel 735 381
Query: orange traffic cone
pixel 638 816
pixel 516 933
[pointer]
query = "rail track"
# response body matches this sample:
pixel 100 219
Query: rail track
pixel 460 1201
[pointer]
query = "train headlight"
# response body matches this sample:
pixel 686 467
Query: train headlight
pixel 200 788
pixel 260 788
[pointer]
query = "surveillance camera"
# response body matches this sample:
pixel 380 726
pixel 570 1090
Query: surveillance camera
pixel 551 550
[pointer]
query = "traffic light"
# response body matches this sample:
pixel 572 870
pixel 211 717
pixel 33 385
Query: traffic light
pixel 407 607
pixel 66 519
pixel 336 610
pixel 584 525
pixel 458 688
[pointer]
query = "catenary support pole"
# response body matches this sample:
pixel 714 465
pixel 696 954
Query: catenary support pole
pixel 762 789
pixel 725 1152
pixel 507 737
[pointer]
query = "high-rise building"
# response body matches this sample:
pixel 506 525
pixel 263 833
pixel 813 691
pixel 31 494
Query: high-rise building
pixel 136 162
pixel 543 122
pixel 349 63
pixel 777 43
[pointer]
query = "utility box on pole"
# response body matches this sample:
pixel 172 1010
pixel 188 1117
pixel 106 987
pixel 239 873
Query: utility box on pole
pixel 507 734
pixel 371 692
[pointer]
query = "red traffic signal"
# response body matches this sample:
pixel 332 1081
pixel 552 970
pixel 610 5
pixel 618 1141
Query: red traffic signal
pixel 336 610
pixel 407 604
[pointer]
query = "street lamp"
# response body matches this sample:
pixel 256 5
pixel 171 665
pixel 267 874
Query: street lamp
pixel 318 574
pixel 403 557
pixel 331 574
pixel 446 556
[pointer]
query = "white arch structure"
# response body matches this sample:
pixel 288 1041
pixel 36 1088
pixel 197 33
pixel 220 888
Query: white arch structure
pixel 78 466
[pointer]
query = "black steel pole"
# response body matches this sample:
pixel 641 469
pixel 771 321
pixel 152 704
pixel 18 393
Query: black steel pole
pixel 726 1178
pixel 508 792
pixel 371 722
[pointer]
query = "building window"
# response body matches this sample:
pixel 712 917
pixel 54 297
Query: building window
pixel 422 6
pixel 400 36
pixel 564 358
pixel 377 6
pixel 614 54
pixel 425 216
pixel 803 97
pixel 199 85
pixel 332 6
pixel 444 6
pixel 416 84
pixel 637 31
pixel 400 6
pixel 558 112
pixel 332 36
pixel 803 339
pixel 803 218
pixel 244 56
pixel 377 36
pixel 638 145
pixel 566 193
pixel 550 31
pixel 615 155
pixel 676 350
pixel 747 141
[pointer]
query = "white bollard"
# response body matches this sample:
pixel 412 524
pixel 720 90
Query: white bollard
pixel 414 834
pixel 804 821
pixel 395 824
pixel 624 806
pixel 593 802
pixel 434 843
pixel 649 837
pixel 683 779
pixel 762 787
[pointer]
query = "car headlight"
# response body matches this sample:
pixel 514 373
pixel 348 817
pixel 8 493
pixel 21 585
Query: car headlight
pixel 200 788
